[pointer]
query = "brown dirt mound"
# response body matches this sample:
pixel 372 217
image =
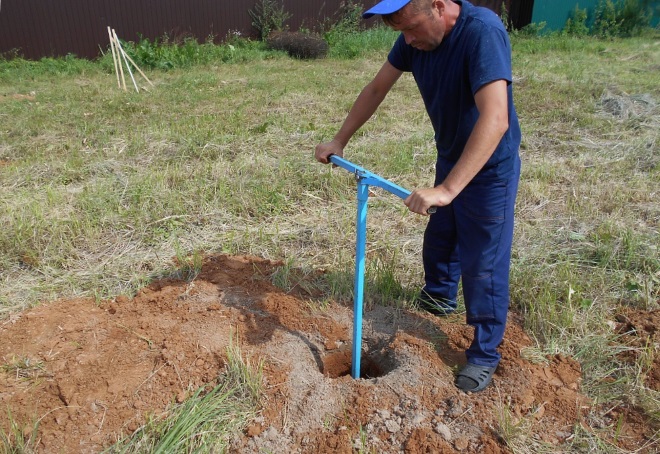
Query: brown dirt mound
pixel 641 331
pixel 101 369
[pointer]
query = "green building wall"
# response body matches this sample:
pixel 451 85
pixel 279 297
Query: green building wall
pixel 555 12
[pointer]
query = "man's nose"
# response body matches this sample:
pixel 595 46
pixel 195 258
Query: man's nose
pixel 408 38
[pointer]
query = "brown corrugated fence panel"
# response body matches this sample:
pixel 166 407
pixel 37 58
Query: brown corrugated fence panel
pixel 43 28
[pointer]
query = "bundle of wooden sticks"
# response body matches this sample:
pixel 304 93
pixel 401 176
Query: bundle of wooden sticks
pixel 121 59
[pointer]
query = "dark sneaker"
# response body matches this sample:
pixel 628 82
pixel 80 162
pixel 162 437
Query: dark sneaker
pixel 435 305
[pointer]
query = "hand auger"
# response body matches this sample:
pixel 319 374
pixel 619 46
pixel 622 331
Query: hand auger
pixel 364 179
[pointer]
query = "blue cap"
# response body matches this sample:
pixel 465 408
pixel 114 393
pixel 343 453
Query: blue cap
pixel 385 7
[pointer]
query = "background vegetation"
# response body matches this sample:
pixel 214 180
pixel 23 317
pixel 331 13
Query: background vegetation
pixel 610 18
pixel 103 190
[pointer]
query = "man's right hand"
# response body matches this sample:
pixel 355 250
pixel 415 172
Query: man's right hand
pixel 420 201
pixel 324 150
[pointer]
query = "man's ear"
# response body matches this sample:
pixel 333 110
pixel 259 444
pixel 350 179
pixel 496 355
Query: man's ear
pixel 439 6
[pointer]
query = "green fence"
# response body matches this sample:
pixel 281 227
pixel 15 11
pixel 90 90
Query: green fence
pixel 555 12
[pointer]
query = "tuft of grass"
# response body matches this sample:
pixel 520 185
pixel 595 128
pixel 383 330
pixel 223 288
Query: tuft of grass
pixel 361 444
pixel 25 368
pixel 291 277
pixel 354 43
pixel 382 283
pixel 19 438
pixel 189 265
pixel 513 431
pixel 245 374
pixel 208 419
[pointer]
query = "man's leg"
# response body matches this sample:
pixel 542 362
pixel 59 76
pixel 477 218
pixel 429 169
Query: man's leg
pixel 484 218
pixel 442 270
pixel 441 267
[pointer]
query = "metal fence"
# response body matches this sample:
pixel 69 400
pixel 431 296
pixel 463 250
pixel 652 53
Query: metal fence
pixel 50 28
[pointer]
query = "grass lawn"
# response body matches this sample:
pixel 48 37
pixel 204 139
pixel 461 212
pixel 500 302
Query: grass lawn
pixel 102 191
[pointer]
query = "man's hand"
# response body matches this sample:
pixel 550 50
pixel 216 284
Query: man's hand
pixel 324 150
pixel 422 199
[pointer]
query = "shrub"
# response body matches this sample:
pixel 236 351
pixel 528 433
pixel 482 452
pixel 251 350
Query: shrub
pixel 298 45
pixel 576 25
pixel 634 17
pixel 267 16
pixel 349 17
pixel 165 54
pixel 530 30
pixel 624 18
pixel 606 24
pixel 504 17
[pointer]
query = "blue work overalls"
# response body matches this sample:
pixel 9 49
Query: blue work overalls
pixel 471 238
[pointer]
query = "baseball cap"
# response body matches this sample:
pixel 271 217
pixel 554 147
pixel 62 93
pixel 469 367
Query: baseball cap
pixel 385 7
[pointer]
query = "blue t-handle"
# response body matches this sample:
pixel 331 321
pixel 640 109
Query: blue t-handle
pixel 371 179
pixel 364 180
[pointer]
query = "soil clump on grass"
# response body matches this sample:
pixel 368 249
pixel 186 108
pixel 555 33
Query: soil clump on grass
pixel 91 372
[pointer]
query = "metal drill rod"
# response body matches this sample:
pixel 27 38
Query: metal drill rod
pixel 364 180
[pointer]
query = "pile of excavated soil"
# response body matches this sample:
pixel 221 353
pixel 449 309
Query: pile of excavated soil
pixel 102 368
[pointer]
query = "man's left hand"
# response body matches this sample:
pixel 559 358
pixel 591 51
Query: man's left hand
pixel 422 199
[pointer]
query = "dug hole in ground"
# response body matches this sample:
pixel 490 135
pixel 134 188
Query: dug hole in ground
pixel 107 366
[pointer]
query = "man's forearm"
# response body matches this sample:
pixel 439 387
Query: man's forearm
pixel 492 124
pixel 481 145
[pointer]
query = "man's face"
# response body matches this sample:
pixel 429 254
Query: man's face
pixel 423 30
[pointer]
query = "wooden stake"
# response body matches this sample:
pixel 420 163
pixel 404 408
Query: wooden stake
pixel 114 56
pixel 121 66
pixel 123 54
pixel 139 70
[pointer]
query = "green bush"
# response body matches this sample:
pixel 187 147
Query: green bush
pixel 349 17
pixel 164 54
pixel 576 25
pixel 504 17
pixel 606 24
pixel 267 16
pixel 635 16
pixel 622 19
pixel 530 30
pixel 298 45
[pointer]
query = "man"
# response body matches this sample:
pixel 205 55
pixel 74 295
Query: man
pixel 460 57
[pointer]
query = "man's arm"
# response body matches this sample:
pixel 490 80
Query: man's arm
pixel 363 108
pixel 493 122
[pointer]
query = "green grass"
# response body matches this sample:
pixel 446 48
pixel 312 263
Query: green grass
pixel 206 421
pixel 102 190
pixel 19 439
pixel 353 43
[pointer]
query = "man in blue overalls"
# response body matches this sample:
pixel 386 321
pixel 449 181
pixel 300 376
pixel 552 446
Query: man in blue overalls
pixel 460 57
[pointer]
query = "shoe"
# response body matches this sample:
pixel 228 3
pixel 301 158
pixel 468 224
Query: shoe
pixel 473 378
pixel 435 305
